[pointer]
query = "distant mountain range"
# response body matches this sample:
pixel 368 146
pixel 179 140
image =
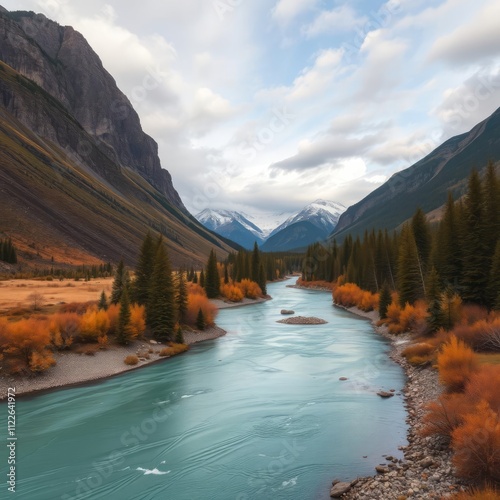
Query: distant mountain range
pixel 426 183
pixel 275 232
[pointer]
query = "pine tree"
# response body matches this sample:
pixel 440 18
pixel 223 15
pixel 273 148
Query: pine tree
pixel 124 331
pixel 262 281
pixel 144 270
pixel 181 298
pixel 121 281
pixel 475 249
pixel 422 235
pixel 410 284
pixel 491 197
pixel 202 279
pixel 255 265
pixel 494 283
pixel 103 302
pixel 435 311
pixel 195 278
pixel 179 336
pixel 212 281
pixel 200 320
pixel 448 250
pixel 384 301
pixel 161 311
pixel 226 275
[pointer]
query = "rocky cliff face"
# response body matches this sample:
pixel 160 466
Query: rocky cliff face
pixel 61 62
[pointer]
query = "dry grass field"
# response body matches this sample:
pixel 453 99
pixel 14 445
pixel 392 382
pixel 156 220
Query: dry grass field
pixel 16 293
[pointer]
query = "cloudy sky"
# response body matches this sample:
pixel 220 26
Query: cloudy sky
pixel 271 104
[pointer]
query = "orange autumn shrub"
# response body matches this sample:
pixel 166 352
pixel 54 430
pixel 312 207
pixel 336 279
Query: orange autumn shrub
pixel 94 324
pixel 231 292
pixel 483 335
pixel 476 446
pixel 369 301
pixel 64 328
pixel 350 295
pixel 137 320
pixel 250 289
pixel 456 363
pixel 24 346
pixel 131 360
pixel 419 354
pixel 77 307
pixel 195 289
pixel 316 284
pixel 197 302
pixel 444 415
pixel 485 385
pixel 113 312
pixel 393 319
pixel 477 494
pixel 413 317
pixel 173 349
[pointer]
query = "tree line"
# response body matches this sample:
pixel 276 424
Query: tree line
pixel 8 252
pixel 459 255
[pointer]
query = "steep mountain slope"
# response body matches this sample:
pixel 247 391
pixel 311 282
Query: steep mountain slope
pixel 425 183
pixel 232 225
pixel 295 236
pixel 79 182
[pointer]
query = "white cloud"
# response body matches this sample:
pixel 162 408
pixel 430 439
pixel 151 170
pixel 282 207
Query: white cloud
pixel 287 10
pixel 343 18
pixel 478 38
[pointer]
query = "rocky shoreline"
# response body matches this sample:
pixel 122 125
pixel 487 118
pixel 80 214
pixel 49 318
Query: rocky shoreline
pixel 426 471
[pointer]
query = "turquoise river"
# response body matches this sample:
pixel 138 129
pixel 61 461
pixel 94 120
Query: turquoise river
pixel 257 414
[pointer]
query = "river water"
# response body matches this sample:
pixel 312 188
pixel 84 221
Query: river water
pixel 257 414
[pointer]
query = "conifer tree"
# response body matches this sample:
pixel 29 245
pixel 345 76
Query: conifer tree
pixel 179 336
pixel 181 297
pixel 435 311
pixel 200 320
pixel 124 331
pixel 491 196
pixel 422 237
pixel 384 301
pixel 121 281
pixel 144 270
pixel 262 281
pixel 202 278
pixel 161 311
pixel 212 281
pixel 103 302
pixel 226 275
pixel 475 249
pixel 448 252
pixel 255 265
pixel 195 278
pixel 494 284
pixel 410 284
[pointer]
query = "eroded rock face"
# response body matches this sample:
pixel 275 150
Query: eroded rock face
pixel 60 60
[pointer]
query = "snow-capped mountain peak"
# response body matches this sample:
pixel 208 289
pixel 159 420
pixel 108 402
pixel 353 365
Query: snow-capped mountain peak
pixel 323 214
pixel 245 229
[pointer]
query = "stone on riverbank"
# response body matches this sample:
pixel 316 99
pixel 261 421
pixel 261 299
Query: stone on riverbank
pixel 287 311
pixel 339 489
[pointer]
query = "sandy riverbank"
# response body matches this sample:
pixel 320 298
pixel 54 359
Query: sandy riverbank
pixel 426 472
pixel 73 368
